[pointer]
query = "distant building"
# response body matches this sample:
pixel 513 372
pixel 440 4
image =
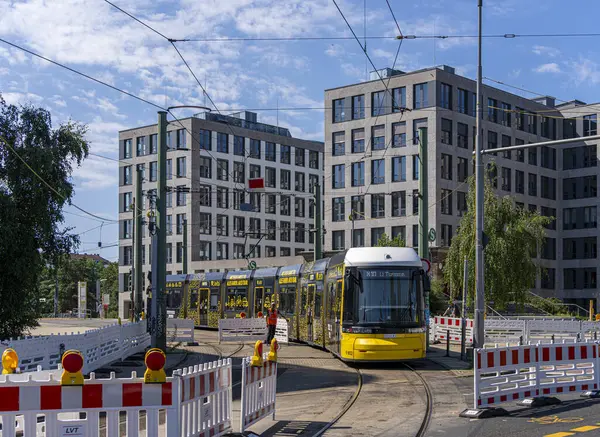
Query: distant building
pixel 225 222
pixel 371 167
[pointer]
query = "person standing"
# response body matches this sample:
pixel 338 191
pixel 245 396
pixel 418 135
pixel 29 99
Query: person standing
pixel 272 322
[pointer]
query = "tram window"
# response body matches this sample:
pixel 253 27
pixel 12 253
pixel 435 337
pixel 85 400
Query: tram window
pixel 318 303
pixel 303 301
pixel 194 299
pixel 214 301
pixel 349 299
pixel 237 300
pixel 331 302
pixel 287 300
pixel 174 299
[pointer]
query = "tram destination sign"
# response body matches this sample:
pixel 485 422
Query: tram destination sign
pixel 385 274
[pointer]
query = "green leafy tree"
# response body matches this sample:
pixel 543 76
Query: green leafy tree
pixel 385 241
pixel 514 235
pixel 110 285
pixel 31 210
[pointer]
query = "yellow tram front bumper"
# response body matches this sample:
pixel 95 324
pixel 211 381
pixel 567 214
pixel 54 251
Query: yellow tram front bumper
pixel 377 347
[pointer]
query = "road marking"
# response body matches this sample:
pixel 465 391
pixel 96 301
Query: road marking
pixel 549 420
pixel 585 428
pixel 560 434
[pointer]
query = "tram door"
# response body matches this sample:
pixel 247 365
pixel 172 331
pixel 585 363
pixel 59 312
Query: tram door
pixel 259 298
pixel 203 306
pixel 310 311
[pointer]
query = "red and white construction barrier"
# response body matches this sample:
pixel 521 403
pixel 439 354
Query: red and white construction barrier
pixel 504 374
pixel 259 386
pixel 451 327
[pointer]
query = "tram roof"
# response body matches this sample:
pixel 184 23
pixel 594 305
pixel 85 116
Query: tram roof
pixel 389 256
pixel 268 272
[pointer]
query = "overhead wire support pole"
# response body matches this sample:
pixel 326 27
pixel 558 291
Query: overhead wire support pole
pixel 137 255
pixel 423 195
pixel 478 325
pixel 318 224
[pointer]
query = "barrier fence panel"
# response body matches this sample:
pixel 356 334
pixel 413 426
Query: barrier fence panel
pixel 505 330
pixel 454 325
pixel 180 330
pixel 564 368
pixel 504 374
pixel 241 330
pixel 281 331
pixel 259 387
pixel 543 330
pixel 206 399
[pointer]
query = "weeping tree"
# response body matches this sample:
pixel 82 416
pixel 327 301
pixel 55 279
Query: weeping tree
pixel 385 241
pixel 514 237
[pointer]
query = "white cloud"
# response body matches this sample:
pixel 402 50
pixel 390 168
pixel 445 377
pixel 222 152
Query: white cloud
pixel 335 50
pixel 384 54
pixel 96 174
pixel 544 50
pixel 584 71
pixel 548 68
pixel 16 98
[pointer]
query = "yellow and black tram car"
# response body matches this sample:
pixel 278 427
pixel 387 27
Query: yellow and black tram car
pixel 363 304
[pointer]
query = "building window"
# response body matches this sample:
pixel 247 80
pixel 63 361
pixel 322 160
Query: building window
pixel 532 184
pixel 377 103
pixel 378 171
pixel 505 114
pixel 270 252
pixel 492 140
pixel 205 223
pixel 126 206
pixel 181 139
pixel 506 179
pixel 239 148
pixel 169 224
pixel 463 169
pixel 339 209
pixel 181 170
pixel 127 255
pixel 399 99
pixel 127 149
pixel 446 239
pixel 548 158
pixel 285 179
pixel 420 96
pixel 222 225
pixel 300 233
pixel 284 231
pixel 153 171
pixel 519 182
pixel 549 212
pixel 548 278
pixel 270 177
pixel 270 151
pixel 446 167
pixel 254 148
pixel 531 120
pixel 520 118
pixel 270 226
pixel 339 143
pixel 222 197
pixel 127 179
pixel 285 157
pixel 415 202
pixel 415 236
pixel 399 204
pixel 399 134
pixel 378 137
pixel 446 96
pixel 313 159
pixel 590 125
pixel 376 234
pixel 399 231
pixel 180 219
pixel 182 195
pixel 205 138
pixel 284 251
pixel 254 171
pixel 461 203
pixel 254 228
pixel 299 182
pixel 299 155
pixel 548 188
pixel 506 143
pixel 169 201
pixel 358 107
pixel 463 101
pixel 299 207
pixel 493 110
pixel 377 205
pixel 416 166
pixel 338 110
pixel 358 238
pixel 569 128
pixel 446 202
pixel 239 172
pixel 313 180
pixel 204 195
pixel 205 165
pixel 338 172
pixel 222 251
pixel 417 124
pixel 358 141
pixel 239 226
pixel 238 251
pixel 284 205
pixel 127 227
pixel 358 207
pixel 271 204
pixel 399 169
pixel 338 239
pixel 358 174
pixel 462 135
pixel 222 169
pixel 140 146
pixel 255 202
pixel 473 109
pixel 222 142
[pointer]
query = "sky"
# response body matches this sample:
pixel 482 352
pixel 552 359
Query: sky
pixel 97 39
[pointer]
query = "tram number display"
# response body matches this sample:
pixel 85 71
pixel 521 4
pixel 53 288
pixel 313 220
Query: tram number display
pixel 384 274
pixel 215 283
pixel 177 284
pixel 238 283
pixel 288 280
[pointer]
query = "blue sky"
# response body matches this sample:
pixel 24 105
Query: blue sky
pixel 94 38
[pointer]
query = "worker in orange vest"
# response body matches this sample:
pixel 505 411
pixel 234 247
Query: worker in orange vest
pixel 272 322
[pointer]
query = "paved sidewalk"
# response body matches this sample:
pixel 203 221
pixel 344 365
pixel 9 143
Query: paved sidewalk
pixel 460 368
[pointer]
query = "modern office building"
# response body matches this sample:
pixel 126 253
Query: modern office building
pixel 371 157
pixel 210 160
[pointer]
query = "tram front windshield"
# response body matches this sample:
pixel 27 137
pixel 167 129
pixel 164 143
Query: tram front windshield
pixel 388 297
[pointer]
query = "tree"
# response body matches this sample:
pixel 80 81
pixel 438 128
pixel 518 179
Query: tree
pixel 385 241
pixel 514 235
pixel 110 275
pixel 31 211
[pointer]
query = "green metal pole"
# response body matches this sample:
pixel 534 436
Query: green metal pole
pixel 137 255
pixel 423 195
pixel 159 311
pixel 185 247
pixel 318 224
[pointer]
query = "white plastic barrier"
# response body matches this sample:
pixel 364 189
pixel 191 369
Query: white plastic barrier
pixel 242 330
pixel 99 347
pixel 544 330
pixel 196 402
pixel 452 326
pixel 259 388
pixel 180 330
pixel 505 330
pixel 513 373
pixel 281 331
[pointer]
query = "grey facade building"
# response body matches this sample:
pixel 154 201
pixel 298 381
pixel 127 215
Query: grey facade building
pixel 209 163
pixel 371 157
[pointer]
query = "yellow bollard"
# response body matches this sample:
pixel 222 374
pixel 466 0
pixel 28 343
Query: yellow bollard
pixel 143 315
pixel 273 352
pixel 10 361
pixel 119 320
pixel 155 360
pixel 72 362
pixel 257 358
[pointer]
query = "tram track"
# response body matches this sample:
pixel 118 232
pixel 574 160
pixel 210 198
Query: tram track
pixel 428 403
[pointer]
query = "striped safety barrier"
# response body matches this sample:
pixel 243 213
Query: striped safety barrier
pixel 513 373
pixel 259 386
pixel 451 327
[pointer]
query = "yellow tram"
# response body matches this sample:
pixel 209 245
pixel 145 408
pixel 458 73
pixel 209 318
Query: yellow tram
pixel 363 304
